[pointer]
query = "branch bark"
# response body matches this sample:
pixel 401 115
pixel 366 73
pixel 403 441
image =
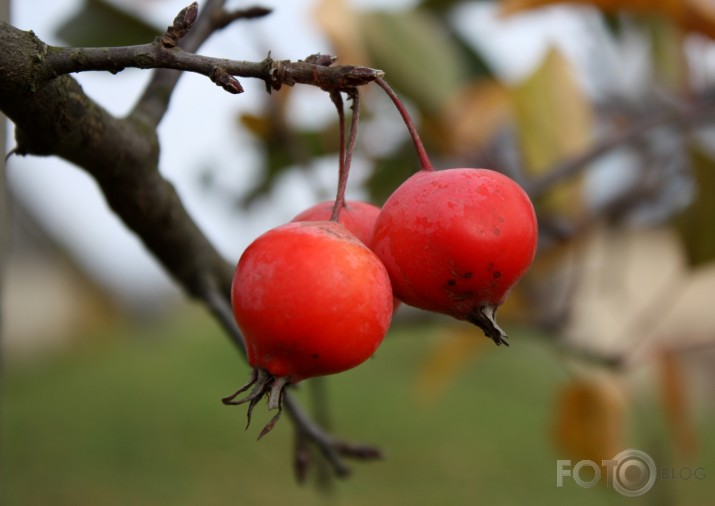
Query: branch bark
pixel 166 52
pixel 62 60
pixel 53 116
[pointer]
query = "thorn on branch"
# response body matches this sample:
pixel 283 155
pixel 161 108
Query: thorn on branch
pixel 229 83
pixel 181 26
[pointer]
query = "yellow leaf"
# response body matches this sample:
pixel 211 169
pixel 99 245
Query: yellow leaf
pixel 589 420
pixel 273 119
pixel 690 15
pixel 257 125
pixel 454 350
pixel 554 121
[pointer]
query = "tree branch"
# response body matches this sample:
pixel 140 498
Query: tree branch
pixel 61 60
pixel 53 116
pixel 155 100
pixel 174 51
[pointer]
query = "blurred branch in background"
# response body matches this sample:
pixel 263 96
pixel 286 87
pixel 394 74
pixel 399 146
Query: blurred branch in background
pixel 685 118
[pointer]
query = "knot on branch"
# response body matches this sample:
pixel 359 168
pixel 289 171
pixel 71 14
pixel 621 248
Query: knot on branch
pixel 183 22
pixel 278 75
pixel 349 77
pixel 317 70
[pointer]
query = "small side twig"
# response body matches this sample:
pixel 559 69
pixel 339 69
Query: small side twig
pixel 154 102
pixel 180 27
pixel 173 51
pixel 334 451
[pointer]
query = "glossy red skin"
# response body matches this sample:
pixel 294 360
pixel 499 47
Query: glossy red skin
pixel 311 300
pixel 454 240
pixel 358 217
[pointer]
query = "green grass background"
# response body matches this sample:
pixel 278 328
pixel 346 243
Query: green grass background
pixel 133 417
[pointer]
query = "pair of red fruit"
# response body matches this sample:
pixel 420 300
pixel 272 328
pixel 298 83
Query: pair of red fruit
pixel 315 297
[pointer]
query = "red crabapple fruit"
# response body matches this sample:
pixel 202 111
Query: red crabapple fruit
pixel 456 241
pixel 311 300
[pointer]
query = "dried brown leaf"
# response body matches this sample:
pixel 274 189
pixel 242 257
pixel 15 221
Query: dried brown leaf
pixel 589 420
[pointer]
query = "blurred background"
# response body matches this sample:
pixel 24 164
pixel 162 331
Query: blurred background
pixel 111 379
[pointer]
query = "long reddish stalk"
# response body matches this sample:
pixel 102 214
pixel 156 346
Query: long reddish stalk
pixel 346 156
pixel 421 152
pixel 337 99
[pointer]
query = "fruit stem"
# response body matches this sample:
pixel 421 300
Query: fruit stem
pixel 421 152
pixel 346 156
pixel 337 99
